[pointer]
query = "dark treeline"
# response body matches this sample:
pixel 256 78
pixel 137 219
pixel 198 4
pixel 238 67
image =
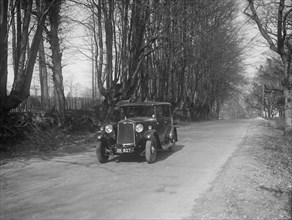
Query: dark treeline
pixel 185 52
pixel 273 19
pixel 267 91
pixel 23 25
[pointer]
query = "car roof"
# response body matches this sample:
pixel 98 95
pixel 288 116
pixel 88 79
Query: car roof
pixel 145 104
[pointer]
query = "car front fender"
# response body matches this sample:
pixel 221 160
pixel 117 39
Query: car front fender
pixel 152 133
pixel 100 135
pixel 106 138
pixel 148 134
pixel 173 134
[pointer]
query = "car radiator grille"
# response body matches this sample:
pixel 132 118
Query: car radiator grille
pixel 126 133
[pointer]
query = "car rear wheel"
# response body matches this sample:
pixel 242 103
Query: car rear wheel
pixel 171 147
pixel 151 150
pixel 172 143
pixel 101 153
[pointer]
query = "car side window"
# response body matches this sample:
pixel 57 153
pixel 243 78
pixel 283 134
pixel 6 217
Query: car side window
pixel 159 111
pixel 149 112
pixel 166 111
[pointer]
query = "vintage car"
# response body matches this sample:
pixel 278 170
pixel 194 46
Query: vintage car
pixel 145 128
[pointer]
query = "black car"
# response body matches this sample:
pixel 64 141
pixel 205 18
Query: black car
pixel 145 128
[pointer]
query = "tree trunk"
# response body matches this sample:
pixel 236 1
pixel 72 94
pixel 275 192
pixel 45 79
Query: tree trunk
pixel 108 16
pixel 93 86
pixel 22 82
pixel 263 102
pixel 287 87
pixel 54 17
pixel 4 53
pixel 43 76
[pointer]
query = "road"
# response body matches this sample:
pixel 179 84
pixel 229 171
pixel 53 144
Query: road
pixel 77 187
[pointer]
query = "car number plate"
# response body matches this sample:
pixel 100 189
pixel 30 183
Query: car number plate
pixel 127 150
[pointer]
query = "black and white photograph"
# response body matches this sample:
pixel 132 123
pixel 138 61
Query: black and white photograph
pixel 145 109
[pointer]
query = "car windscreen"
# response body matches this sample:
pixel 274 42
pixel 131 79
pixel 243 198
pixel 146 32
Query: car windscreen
pixel 137 111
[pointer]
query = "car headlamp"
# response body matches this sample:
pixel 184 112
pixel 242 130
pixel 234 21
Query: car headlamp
pixel 108 129
pixel 139 128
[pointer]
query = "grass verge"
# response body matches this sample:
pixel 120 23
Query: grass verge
pixel 256 182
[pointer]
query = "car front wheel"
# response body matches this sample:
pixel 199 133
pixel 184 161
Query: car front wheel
pixel 151 150
pixel 101 153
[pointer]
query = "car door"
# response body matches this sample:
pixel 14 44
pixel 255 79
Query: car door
pixel 160 123
pixel 167 116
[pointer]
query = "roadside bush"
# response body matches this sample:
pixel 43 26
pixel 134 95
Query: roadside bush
pixel 81 121
pixel 280 123
pixel 15 127
pixel 38 131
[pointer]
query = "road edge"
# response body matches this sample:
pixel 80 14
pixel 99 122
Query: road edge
pixel 246 187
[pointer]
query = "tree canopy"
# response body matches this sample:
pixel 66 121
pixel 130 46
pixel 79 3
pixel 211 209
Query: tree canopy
pixel 185 52
pixel 274 21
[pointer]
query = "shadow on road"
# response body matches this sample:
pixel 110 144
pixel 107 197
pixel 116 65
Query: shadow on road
pixel 75 163
pixel 161 155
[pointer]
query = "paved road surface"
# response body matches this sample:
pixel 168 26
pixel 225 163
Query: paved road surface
pixel 76 187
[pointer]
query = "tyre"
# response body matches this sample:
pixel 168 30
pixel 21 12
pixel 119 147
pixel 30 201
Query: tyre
pixel 171 147
pixel 101 153
pixel 151 150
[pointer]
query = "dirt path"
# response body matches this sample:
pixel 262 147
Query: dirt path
pixel 76 187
